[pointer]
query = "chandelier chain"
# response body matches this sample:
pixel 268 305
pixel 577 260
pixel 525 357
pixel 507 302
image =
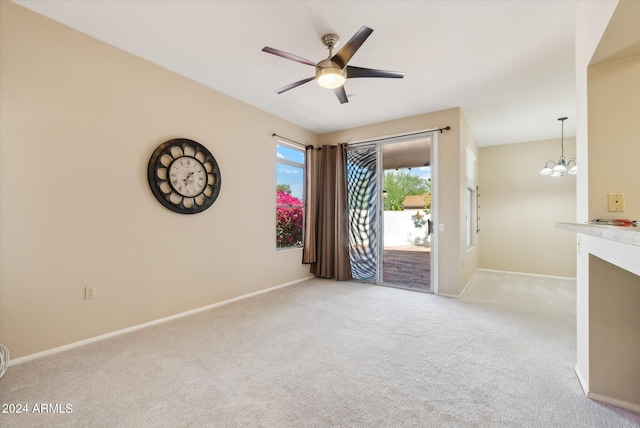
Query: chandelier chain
pixel 562 119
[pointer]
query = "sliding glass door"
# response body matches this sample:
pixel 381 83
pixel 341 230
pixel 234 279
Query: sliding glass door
pixel 389 187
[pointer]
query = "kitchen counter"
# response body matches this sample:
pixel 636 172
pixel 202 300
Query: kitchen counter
pixel 607 317
pixel 615 244
pixel 626 235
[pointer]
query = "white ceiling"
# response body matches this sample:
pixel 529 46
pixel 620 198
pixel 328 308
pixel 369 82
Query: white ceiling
pixel 508 64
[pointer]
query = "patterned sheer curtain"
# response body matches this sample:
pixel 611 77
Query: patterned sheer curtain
pixel 326 220
pixel 362 190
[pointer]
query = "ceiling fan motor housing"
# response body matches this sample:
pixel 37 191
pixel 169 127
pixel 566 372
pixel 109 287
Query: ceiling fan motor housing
pixel 329 74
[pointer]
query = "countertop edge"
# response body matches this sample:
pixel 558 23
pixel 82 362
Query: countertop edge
pixel 626 235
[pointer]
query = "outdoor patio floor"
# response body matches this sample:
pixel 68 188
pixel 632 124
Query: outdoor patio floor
pixel 407 267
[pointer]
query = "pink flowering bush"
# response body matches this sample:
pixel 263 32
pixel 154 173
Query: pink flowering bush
pixel 288 221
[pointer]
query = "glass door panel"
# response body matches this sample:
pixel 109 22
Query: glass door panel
pixel 363 201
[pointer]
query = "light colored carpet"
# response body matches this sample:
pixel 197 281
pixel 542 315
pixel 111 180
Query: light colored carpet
pixel 333 354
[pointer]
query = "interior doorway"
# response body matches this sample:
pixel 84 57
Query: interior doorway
pixel 390 188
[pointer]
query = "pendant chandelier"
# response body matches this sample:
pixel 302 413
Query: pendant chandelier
pixel 562 167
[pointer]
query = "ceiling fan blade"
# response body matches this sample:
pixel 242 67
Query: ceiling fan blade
pixel 294 85
pixel 349 49
pixel 353 72
pixel 341 94
pixel 287 55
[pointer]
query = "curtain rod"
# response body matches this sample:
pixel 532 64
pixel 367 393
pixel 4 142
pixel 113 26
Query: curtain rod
pixel 441 130
pixel 288 140
pixel 426 131
pixel 446 128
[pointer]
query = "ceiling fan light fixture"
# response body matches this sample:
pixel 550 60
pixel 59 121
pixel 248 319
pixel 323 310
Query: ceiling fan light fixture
pixel 331 77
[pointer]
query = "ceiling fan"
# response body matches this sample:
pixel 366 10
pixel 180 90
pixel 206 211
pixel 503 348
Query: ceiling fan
pixel 333 71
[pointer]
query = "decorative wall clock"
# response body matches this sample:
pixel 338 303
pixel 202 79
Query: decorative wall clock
pixel 184 176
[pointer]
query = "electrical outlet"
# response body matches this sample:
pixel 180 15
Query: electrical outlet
pixel 89 293
pixel 616 202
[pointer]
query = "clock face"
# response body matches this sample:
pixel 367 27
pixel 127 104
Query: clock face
pixel 187 176
pixel 184 176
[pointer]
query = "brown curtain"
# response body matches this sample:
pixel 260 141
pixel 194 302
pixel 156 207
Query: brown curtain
pixel 331 244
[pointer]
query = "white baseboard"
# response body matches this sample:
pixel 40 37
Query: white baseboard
pixel 147 324
pixel 469 282
pixel 527 274
pixel 452 296
pixel 583 384
pixel 613 401
pixel 458 296
pixel 603 398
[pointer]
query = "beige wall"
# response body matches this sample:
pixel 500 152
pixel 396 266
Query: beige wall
pixel 519 209
pixel 608 297
pixel 451 185
pixel 614 348
pixel 469 257
pixel 614 136
pixel 607 52
pixel 591 21
pixel 79 122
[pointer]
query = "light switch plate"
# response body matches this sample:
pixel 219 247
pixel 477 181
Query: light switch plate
pixel 616 202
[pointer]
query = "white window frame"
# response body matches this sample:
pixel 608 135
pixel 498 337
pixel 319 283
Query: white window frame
pixel 295 164
pixel 470 215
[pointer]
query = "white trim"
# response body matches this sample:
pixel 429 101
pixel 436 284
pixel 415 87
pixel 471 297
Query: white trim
pixel 614 401
pixel 451 296
pixel 290 143
pixel 279 249
pixel 469 282
pixel 622 254
pixel 147 324
pixel 435 218
pixel 301 165
pixel 379 213
pixel 469 198
pixel 527 274
pixel 458 296
pixel 583 384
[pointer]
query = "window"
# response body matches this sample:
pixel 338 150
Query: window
pixel 290 179
pixel 471 209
